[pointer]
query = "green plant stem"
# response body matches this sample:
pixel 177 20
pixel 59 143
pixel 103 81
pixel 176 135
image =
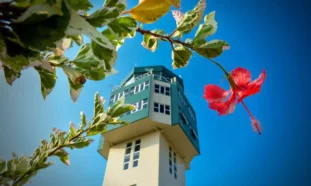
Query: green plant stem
pixel 51 154
pixel 172 41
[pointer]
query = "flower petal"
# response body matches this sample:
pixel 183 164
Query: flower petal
pixel 253 87
pixel 214 93
pixel 241 76
pixel 256 126
pixel 226 107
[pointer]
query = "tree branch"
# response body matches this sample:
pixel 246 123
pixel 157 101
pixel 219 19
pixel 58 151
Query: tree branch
pixel 172 41
pixel 52 153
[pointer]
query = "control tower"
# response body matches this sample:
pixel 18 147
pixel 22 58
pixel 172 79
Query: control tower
pixel 156 148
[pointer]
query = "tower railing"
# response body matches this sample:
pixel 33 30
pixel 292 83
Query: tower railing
pixel 162 78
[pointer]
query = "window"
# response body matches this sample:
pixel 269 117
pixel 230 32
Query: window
pixel 172 164
pixel 161 89
pixel 175 167
pixel 191 113
pixel 140 105
pixel 146 84
pixel 139 88
pixel 181 97
pixel 170 161
pixel 136 105
pixel 157 88
pixel 145 103
pixel 132 90
pixel 167 91
pixel 156 107
pixel 183 118
pixel 120 95
pixel 127 156
pixel 193 133
pixel 112 99
pixel 136 153
pixel 161 108
pixel 165 109
pixel 126 92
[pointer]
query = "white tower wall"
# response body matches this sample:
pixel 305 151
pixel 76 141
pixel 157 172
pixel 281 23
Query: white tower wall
pixel 153 164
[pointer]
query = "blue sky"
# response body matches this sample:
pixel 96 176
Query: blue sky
pixel 263 34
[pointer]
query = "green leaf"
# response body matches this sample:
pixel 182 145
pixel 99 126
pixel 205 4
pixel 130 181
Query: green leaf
pixel 83 120
pixel 98 106
pixel 72 130
pixel 208 28
pixel 37 13
pixel 76 80
pixel 79 25
pixel 89 65
pixel 11 167
pixel 211 49
pixel 16 63
pixel 47 78
pixel 10 75
pixel 191 19
pixel 107 14
pixel 2 165
pixel 80 5
pixel 22 165
pixel 150 42
pixel 159 31
pixel 25 180
pixel 63 156
pixel 80 143
pixel 15 47
pixel 115 121
pixel 42 31
pixel 97 129
pixel 77 39
pixel 119 108
pixel 117 3
pixel 189 40
pixel 57 60
pixel 99 119
pixel 61 46
pixel 103 16
pixel 180 56
pixel 109 56
pixel 123 27
pixel 116 42
pixel 5 181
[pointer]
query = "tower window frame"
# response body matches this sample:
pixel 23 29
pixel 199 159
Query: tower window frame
pixel 162 108
pixel 112 99
pixel 136 153
pixel 184 118
pixel 127 156
pixel 172 162
pixel 160 89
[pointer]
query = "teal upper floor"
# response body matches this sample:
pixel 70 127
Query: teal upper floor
pixel 144 83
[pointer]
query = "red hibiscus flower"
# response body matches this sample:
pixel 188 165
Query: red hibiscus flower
pixel 241 87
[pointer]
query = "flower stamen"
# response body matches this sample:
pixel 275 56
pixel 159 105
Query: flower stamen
pixel 256 125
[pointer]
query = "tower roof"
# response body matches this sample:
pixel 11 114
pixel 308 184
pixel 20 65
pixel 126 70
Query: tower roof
pixel 155 69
